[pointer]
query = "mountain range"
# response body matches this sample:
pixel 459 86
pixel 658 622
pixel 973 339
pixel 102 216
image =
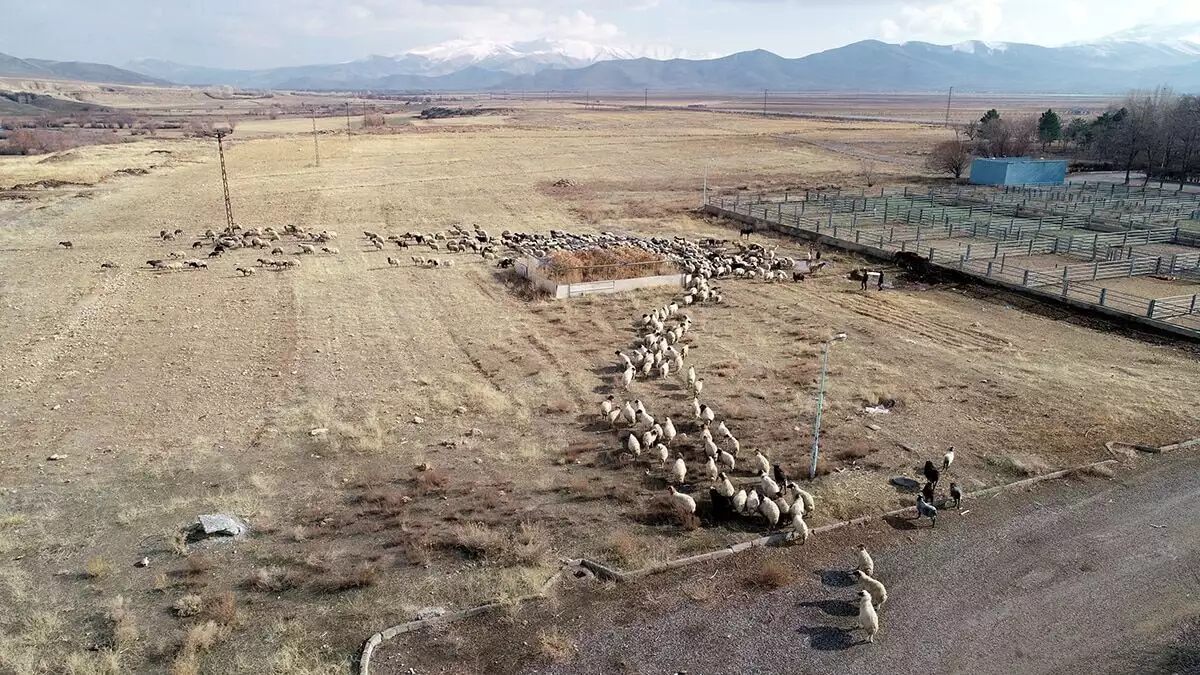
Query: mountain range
pixel 1142 57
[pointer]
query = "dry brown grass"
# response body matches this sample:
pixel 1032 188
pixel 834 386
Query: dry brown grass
pixel 222 608
pixel 189 605
pixel 1021 465
pixel 124 624
pixel 198 563
pixel 98 568
pixel 602 264
pixel 555 647
pixel 771 574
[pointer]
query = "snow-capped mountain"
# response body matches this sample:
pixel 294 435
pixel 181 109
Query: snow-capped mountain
pixel 1183 37
pixel 518 57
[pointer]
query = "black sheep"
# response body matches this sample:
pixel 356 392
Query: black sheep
pixel 780 477
pixel 927 491
pixel 722 506
pixel 956 494
pixel 931 472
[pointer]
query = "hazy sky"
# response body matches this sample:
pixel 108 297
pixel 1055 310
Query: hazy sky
pixel 260 33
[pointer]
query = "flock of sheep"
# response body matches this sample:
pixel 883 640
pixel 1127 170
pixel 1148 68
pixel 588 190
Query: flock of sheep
pixel 660 350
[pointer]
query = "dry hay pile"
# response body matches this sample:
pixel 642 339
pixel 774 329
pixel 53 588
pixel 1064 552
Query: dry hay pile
pixel 605 264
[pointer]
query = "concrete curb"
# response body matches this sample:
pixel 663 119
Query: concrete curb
pixel 603 571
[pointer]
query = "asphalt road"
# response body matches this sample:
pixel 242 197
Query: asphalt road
pixel 1079 576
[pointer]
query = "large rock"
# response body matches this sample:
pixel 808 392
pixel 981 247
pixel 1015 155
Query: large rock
pixel 222 524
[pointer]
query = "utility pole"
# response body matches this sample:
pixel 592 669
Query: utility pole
pixel 812 468
pixel 587 100
pixel 646 104
pixel 547 96
pixel 316 143
pixel 764 102
pixel 948 97
pixel 221 134
pixel 347 120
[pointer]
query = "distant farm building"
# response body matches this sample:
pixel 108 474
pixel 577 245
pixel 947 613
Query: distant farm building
pixel 1018 171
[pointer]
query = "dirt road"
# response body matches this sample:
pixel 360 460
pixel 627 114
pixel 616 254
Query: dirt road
pixel 1071 577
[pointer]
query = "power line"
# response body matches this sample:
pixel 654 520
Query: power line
pixel 764 102
pixel 221 134
pixel 948 97
pixel 316 144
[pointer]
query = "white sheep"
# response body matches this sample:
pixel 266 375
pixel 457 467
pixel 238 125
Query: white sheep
pixel 710 469
pixel 661 452
pixel 678 470
pixel 307 248
pixel 948 459
pixel 760 461
pixel 706 413
pixel 865 563
pixel 627 413
pixel 682 502
pixel 726 460
pixel 669 430
pixel 627 377
pixel 799 527
pixel 770 511
pixel 767 484
pixel 739 501
pixel 873 586
pixel 725 487
pixel 752 502
pixel 633 445
pixel 606 406
pixel 803 496
pixel 868 620
pixel 698 386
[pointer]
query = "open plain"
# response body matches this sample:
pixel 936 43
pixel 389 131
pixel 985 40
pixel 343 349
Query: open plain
pixel 462 453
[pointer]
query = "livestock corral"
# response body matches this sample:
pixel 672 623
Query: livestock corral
pixel 356 376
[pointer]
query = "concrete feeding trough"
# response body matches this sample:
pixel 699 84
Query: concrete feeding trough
pixel 625 277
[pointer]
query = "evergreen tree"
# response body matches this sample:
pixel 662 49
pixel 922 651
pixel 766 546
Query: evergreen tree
pixel 1049 128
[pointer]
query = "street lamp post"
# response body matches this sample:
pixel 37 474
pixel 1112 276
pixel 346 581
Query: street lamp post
pixel 812 467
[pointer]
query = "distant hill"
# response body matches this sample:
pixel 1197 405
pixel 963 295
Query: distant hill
pixel 1109 66
pixel 26 104
pixel 11 66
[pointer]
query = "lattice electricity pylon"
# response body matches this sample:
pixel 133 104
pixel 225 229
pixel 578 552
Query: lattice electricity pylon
pixel 221 134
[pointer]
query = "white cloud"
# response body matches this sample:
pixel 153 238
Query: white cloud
pixel 950 20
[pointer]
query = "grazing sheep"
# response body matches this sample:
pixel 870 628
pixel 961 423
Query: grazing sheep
pixel 108 265
pixel 669 431
pixel 927 492
pixel 633 445
pixel 173 266
pixel 799 527
pixel 157 264
pixel 706 413
pixel 726 460
pixel 627 377
pixel 767 484
pixel 804 497
pixel 330 249
pixel 277 251
pixel 865 563
pixel 710 469
pixel 948 459
pixel 678 470
pixel 770 511
pixel 926 510
pixel 177 255
pixel 725 487
pixel 606 406
pixel 872 585
pixel 956 495
pixel 197 244
pixel 739 501
pixel 196 264
pixel 868 620
pixel 931 472
pixel 661 452
pixel 752 502
pixel 763 464
pixel 682 502
pixel 307 248
pixel 245 271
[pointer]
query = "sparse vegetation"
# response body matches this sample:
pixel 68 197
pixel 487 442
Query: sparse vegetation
pixel 97 568
pixel 556 648
pixel 771 574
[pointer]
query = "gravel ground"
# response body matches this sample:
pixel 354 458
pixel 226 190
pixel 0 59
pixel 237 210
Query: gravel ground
pixel 1066 578
pixel 1087 575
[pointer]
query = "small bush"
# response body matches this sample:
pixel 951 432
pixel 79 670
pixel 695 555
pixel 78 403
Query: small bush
pixel 478 541
pixel 198 564
pixel 1022 466
pixel 179 544
pixel 530 546
pixel 770 575
pixel 124 627
pixel 188 605
pixel 97 568
pixel 222 608
pixel 275 579
pixel 361 576
pixel 556 648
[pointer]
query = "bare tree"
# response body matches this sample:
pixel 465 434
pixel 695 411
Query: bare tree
pixel 870 170
pixel 952 157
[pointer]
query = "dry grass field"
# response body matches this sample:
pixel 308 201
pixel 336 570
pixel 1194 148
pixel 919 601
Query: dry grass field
pixel 463 454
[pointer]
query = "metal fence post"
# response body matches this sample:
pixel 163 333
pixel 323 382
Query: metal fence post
pixel 1150 310
pixel 1025 280
pixel 1103 295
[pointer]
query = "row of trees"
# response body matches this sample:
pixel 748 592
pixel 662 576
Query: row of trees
pixel 1156 132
